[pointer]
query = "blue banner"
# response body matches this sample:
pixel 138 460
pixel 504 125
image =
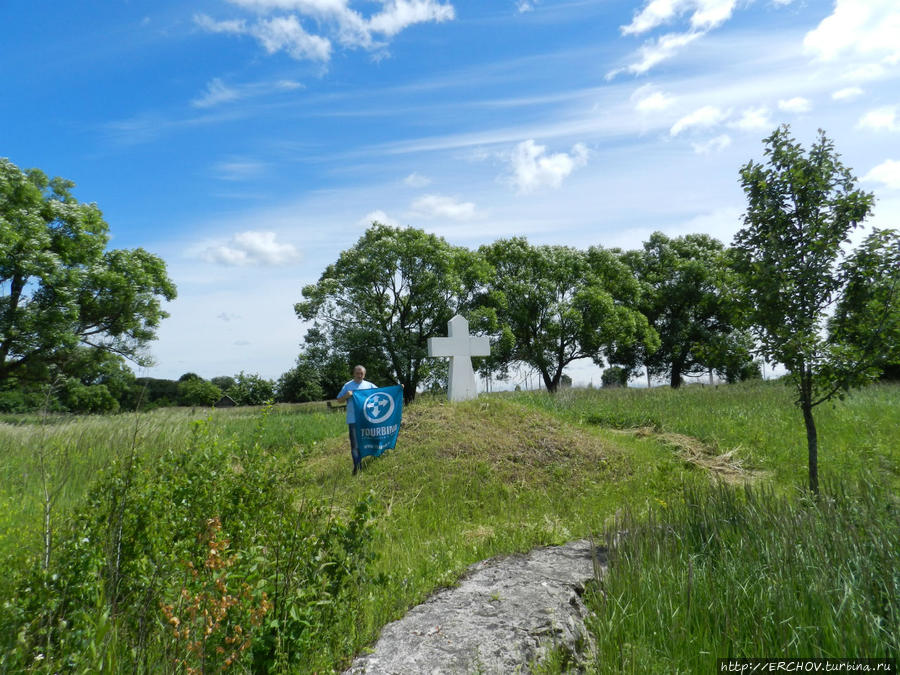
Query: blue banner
pixel 378 415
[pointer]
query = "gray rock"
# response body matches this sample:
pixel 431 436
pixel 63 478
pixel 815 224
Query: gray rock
pixel 505 613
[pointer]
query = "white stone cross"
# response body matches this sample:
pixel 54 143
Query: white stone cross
pixel 460 347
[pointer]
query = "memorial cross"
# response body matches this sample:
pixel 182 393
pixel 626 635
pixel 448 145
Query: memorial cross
pixel 460 347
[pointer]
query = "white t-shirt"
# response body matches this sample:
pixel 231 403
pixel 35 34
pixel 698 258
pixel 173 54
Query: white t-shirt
pixel 353 386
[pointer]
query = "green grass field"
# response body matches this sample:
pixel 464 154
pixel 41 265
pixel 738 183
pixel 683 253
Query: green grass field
pixel 508 472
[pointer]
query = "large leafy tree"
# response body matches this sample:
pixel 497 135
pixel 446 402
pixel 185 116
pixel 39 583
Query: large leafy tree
pixel 385 296
pixel 61 288
pixel 686 299
pixel 801 207
pixel 556 304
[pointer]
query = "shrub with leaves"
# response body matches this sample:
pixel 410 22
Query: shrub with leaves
pixel 212 536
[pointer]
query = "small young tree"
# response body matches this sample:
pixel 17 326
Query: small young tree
pixel 800 209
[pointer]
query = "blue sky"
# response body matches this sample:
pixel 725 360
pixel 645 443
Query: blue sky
pixel 248 142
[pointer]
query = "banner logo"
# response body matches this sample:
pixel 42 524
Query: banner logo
pixel 378 407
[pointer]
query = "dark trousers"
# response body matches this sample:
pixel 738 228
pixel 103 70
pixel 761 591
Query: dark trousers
pixel 354 449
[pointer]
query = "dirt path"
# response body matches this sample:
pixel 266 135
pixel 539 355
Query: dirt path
pixel 505 613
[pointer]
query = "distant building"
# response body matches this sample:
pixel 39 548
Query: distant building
pixel 225 402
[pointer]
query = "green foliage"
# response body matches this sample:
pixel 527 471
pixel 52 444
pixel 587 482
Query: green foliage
pixel 384 297
pixel 301 383
pixel 720 572
pixel 866 322
pixel 687 298
pixel 251 389
pixel 556 304
pixel 614 376
pixel 800 210
pixel 61 289
pixel 197 391
pixel 212 525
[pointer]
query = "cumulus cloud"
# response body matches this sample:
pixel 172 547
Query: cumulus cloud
pixel 866 29
pixel 847 94
pixel 880 119
pixel 798 104
pixel 533 168
pixel 347 26
pixel 753 119
pixel 251 248
pixel 648 99
pixel 706 14
pixel 705 117
pixel 377 216
pixel 440 206
pixel 416 180
pixel 716 144
pixel 703 16
pixel 887 173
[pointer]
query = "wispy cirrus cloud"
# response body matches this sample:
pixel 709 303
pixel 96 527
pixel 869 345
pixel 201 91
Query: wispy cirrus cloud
pixel 217 92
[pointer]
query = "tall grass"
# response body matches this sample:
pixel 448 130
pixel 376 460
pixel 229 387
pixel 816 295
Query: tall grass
pixel 758 421
pixel 748 573
pixel 77 448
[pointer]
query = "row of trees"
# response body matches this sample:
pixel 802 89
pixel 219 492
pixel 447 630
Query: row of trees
pixel 789 290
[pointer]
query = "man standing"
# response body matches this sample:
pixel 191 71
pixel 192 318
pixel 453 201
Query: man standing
pixel 359 381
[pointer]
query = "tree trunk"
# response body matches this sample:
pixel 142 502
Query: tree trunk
pixel 649 384
pixel 675 380
pixel 812 444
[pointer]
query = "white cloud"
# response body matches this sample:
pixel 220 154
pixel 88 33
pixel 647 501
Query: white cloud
pixel 707 116
pixel 648 99
pixel 858 28
pixel 286 32
pixel 398 14
pixel 797 104
pixel 251 248
pixel 886 173
pixel 416 180
pixel 706 14
pixel 218 92
pixel 377 216
pixel 652 53
pixel 440 206
pixel 523 6
pixel 238 170
pixel 847 94
pixel 533 168
pixel 884 118
pixel 716 144
pixel 753 119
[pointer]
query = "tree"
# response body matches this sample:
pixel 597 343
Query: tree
pixel 300 384
pixel 685 298
pixel 251 389
pixel 867 318
pixel 384 297
pixel 800 209
pixel 195 391
pixel 556 304
pixel 614 376
pixel 60 288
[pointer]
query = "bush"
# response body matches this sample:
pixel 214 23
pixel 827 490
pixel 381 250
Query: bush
pixel 211 529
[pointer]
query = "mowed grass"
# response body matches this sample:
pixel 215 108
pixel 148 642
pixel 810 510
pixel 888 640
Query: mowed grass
pixel 508 472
